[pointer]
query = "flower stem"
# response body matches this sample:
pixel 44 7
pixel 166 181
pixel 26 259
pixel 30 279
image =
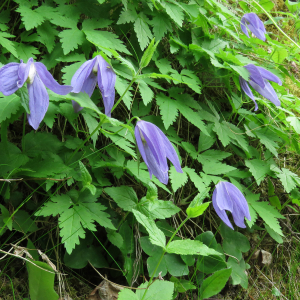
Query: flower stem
pixel 274 22
pixel 162 255
pixel 129 86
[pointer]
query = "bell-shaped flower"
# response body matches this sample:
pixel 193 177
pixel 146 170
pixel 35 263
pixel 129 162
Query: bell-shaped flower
pixel 155 148
pixel 227 196
pixel 86 77
pixel 252 22
pixel 259 81
pixel 35 74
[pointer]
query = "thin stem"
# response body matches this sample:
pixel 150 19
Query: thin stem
pixel 162 256
pixel 129 86
pixel 24 124
pixel 274 22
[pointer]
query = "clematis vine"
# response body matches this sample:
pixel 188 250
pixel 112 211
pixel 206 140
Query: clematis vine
pixel 14 75
pixel 252 22
pixel 86 77
pixel 155 148
pixel 227 196
pixel 259 81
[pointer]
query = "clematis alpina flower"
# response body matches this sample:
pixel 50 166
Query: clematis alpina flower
pixel 155 148
pixel 35 74
pixel 86 77
pixel 227 196
pixel 254 24
pixel 259 81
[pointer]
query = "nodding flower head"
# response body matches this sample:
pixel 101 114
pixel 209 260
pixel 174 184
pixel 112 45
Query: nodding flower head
pixel 252 22
pixel 36 76
pixel 259 81
pixel 155 148
pixel 86 77
pixel 227 196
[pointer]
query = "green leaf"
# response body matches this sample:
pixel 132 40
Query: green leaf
pixel 9 106
pixel 279 55
pixel 143 32
pixel 106 39
pixel 175 265
pixel 294 121
pixel 147 56
pixel 269 214
pixel 216 168
pixel 197 211
pixel 157 209
pixel 177 179
pixel 274 234
pixel 71 39
pixel 23 222
pixel 115 238
pixel 161 25
pixel 124 196
pixel 238 274
pixel 168 109
pixel 175 12
pixel 196 179
pixel 30 18
pixel 85 175
pixel 156 235
pixel 258 168
pixel 162 290
pixel 146 93
pixel 288 179
pixel 7 44
pixel 26 51
pixel 7 219
pixel 215 283
pixel 47 35
pixel 41 281
pixel 127 294
pixel 187 247
pixel 84 253
pixel 92 123
pixel 128 15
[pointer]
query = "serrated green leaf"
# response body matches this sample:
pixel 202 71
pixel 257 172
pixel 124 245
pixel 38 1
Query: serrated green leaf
pixel 71 39
pixel 162 290
pixel 168 109
pixel 127 294
pixel 258 168
pixel 147 56
pixel 9 105
pixel 105 39
pixel 26 51
pixel 156 235
pixel 7 44
pixel 161 25
pixel 124 196
pixel 177 179
pixel 85 175
pixel 143 32
pixel 30 18
pixel 175 12
pixel 47 35
pixel 146 93
pixel 197 211
pixel 294 121
pixel 216 167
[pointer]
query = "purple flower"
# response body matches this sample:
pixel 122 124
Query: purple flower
pixel 155 148
pixel 227 196
pixel 258 80
pixel 254 24
pixel 86 77
pixel 35 74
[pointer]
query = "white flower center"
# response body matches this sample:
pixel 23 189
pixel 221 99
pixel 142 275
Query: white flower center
pixel 32 73
pixel 95 67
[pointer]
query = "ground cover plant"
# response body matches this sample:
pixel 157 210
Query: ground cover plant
pixel 150 146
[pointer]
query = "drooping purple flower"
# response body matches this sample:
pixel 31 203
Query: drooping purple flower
pixel 86 77
pixel 227 196
pixel 155 148
pixel 35 74
pixel 254 24
pixel 259 81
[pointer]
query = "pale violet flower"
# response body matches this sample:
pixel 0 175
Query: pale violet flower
pixel 259 81
pixel 252 22
pixel 227 196
pixel 155 148
pixel 86 77
pixel 36 76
